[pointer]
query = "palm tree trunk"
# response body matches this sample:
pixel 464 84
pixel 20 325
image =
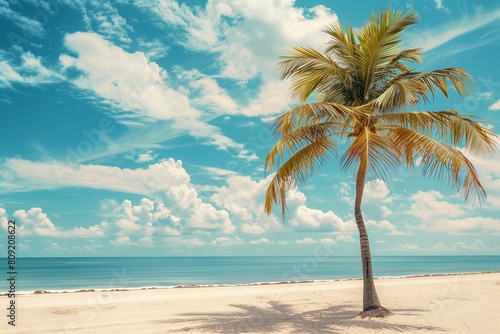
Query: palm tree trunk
pixel 371 303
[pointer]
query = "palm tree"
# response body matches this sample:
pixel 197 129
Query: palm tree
pixel 364 90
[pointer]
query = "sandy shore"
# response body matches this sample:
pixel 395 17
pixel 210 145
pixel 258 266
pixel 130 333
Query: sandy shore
pixel 450 304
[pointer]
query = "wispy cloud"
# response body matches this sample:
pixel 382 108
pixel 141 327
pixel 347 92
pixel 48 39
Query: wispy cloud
pixel 103 18
pixel 138 88
pixel 28 26
pixel 30 71
pixel 446 32
pixel 21 175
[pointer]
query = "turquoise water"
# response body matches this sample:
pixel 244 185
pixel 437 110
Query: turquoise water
pixel 134 272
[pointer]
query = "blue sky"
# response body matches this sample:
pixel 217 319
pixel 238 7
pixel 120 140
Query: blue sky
pixel 140 129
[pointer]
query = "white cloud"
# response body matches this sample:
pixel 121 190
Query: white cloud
pixel 259 241
pixel 495 106
pixel 103 18
pixel 247 36
pixel 384 225
pixel 345 192
pixel 217 173
pixel 448 31
pixel 244 199
pixel 466 225
pixel 28 25
pixel 439 4
pixel 407 247
pixel 345 238
pixel 145 157
pixel 386 212
pixel 431 205
pixel 226 241
pixel 36 222
pixel 28 175
pixel 136 86
pixel 141 220
pixel 273 98
pixel 30 71
pixel 202 215
pixel 439 215
pixel 210 94
pixel 328 241
pixel 167 181
pixel 128 80
pixel 476 245
pixel 186 241
pixel 317 220
pixel 123 240
pixel 376 190
pixel 305 241
pixel 457 247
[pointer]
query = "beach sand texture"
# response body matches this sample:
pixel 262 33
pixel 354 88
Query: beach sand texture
pixel 436 304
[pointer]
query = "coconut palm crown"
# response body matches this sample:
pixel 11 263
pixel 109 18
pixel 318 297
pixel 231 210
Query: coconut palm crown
pixel 364 89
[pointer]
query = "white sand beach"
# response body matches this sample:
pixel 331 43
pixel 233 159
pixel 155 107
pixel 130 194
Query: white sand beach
pixel 436 304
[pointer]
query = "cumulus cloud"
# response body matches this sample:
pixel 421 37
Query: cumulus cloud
pixel 259 241
pixel 376 190
pixel 247 36
pixel 437 214
pixel 201 215
pixel 226 241
pixel 305 241
pixel 431 205
pixel 440 247
pixel 328 241
pixel 244 199
pixel 36 222
pixel 169 216
pixel 167 182
pixel 141 221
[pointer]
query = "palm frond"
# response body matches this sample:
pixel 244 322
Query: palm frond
pixel 363 83
pixel 410 88
pixel 380 38
pixel 298 168
pixel 439 160
pixel 447 125
pixel 292 142
pixel 375 153
pixel 311 113
pixel 311 71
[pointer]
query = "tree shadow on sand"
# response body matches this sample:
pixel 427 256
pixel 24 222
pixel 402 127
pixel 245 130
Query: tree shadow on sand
pixel 279 317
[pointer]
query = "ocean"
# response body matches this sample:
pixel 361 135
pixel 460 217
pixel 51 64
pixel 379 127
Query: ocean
pixel 56 274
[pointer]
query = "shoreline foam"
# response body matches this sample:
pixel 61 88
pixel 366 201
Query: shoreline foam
pixel 192 286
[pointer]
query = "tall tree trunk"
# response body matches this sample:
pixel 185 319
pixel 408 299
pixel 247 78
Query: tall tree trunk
pixel 371 303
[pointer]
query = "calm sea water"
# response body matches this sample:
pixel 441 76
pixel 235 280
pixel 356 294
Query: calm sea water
pixel 134 272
